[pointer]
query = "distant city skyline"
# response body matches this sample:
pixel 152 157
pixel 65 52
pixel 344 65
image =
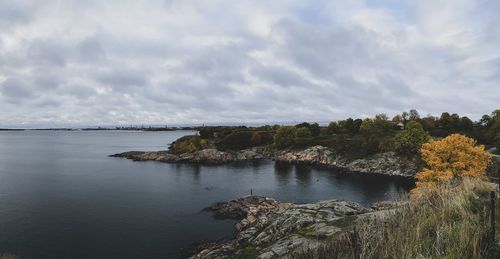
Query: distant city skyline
pixel 181 62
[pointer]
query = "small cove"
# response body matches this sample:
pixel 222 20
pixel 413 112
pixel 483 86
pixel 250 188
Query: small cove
pixel 61 196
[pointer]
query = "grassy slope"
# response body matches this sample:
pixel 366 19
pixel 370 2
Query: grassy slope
pixel 451 223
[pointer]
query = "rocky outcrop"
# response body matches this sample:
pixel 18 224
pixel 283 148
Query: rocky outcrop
pixel 162 156
pixel 209 155
pixel 268 228
pixel 384 163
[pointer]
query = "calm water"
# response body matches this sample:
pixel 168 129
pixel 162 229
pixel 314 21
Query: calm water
pixel 62 197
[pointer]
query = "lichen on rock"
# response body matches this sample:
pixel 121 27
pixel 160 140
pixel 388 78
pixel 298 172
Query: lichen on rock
pixel 267 228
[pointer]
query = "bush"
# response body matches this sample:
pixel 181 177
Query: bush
pixel 187 144
pixel 256 139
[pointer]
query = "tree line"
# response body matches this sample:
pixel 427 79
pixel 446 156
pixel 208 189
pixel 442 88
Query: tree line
pixel 352 137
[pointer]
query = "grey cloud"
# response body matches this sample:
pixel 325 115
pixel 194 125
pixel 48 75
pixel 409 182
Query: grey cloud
pixel 280 76
pixel 80 91
pixel 14 12
pixel 175 61
pixel 47 53
pixel 90 50
pixel 15 90
pixel 47 103
pixel 121 79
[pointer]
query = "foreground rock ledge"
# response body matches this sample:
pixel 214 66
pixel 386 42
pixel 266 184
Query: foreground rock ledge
pixel 267 228
pixel 384 163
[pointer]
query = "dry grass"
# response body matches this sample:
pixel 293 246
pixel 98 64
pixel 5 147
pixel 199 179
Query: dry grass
pixel 449 223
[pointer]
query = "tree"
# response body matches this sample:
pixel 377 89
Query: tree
pixel 375 134
pixel 334 128
pixel 284 136
pixel 445 121
pixel 485 121
pixel 302 136
pixel 428 122
pixel 495 115
pixel 455 122
pixel 397 119
pixel 303 124
pixel 315 129
pixel 453 157
pixel 414 115
pixel 409 141
pixel 405 116
pixel 350 125
pixel 493 131
pixel 382 124
pixel 237 140
pixel 465 124
pixel 496 141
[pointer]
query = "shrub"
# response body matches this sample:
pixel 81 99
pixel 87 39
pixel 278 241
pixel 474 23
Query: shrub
pixel 453 157
pixel 256 139
pixel 186 144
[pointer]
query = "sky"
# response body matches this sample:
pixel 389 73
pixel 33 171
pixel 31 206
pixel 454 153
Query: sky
pixel 76 63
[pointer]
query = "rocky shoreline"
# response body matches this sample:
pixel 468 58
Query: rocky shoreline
pixel 206 156
pixel 384 163
pixel 267 228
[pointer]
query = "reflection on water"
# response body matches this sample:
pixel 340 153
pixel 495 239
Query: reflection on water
pixel 62 197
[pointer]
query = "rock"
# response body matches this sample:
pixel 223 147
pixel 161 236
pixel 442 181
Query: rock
pixel 162 156
pixel 384 163
pixel 268 228
pixel 317 155
pixel 208 156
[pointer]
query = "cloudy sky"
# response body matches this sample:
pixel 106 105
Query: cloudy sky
pixel 179 61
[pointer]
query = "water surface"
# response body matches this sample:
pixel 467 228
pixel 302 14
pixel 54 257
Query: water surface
pixel 61 196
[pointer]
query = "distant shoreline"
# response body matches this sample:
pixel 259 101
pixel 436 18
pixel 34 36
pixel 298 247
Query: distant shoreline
pixel 104 129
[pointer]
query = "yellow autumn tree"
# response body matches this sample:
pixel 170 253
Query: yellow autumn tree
pixel 453 157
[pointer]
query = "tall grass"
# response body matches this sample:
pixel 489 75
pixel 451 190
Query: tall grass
pixel 451 222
